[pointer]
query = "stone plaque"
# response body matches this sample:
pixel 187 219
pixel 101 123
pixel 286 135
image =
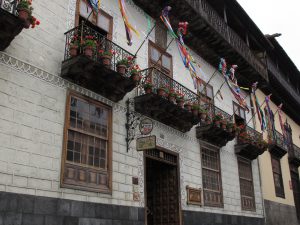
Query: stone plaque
pixel 193 196
pixel 145 143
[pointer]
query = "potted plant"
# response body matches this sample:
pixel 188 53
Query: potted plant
pixel 244 137
pixel 32 21
pixel 180 99
pixel 122 65
pixel 195 109
pixel 188 106
pixel 162 91
pixel 230 127
pixel 148 87
pixel 24 9
pixel 217 119
pixel 223 124
pixel 105 57
pixel 202 113
pixel 73 46
pixel 208 120
pixel 89 45
pixel 172 96
pixel 135 74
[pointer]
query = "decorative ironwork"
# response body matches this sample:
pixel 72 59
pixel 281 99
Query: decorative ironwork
pixel 249 143
pixel 159 106
pixel 294 155
pixel 277 145
pixel 9 6
pixel 103 43
pixel 132 122
pixel 159 79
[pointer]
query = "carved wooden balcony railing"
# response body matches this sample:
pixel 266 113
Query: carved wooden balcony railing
pixel 249 143
pixel 212 132
pixel 159 106
pixel 294 155
pixel 92 72
pixel 10 24
pixel 218 23
pixel 277 146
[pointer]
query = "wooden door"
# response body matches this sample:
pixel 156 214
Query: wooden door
pixel 162 193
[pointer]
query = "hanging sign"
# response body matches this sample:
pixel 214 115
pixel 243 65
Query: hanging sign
pixel 146 143
pixel 146 126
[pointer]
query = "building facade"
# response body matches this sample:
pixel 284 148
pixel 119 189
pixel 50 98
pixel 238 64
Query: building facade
pixel 70 123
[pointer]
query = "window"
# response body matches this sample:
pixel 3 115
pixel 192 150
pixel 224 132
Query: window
pixel 277 175
pixel 211 173
pixel 87 145
pixel 246 184
pixel 103 22
pixel 161 35
pixel 239 114
pixel 161 59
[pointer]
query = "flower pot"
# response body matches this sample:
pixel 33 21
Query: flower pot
pixel 208 122
pixel 88 51
pixel 172 98
pixel 217 123
pixel 161 92
pixel 106 60
pixel 180 103
pixel 23 14
pixel 188 107
pixel 148 90
pixel 202 116
pixel 73 51
pixel 195 112
pixel 121 69
pixel 223 126
pixel 135 77
pixel 27 24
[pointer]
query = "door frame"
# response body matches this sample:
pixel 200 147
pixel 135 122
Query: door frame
pixel 145 156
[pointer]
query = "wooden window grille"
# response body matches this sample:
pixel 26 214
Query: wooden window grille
pixel 239 114
pixel 87 144
pixel 211 175
pixel 277 175
pixel 246 184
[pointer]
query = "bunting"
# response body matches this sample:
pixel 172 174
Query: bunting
pixel 94 5
pixel 280 121
pixel 185 56
pixel 128 26
pixel 259 111
pixel 229 76
pixel 271 117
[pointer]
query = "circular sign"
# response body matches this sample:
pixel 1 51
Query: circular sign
pixel 146 126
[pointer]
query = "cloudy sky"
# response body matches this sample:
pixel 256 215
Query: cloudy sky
pixel 277 16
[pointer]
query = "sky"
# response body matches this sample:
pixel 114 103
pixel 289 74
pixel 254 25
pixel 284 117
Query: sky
pixel 277 16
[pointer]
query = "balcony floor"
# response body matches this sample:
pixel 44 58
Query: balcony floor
pixel 164 111
pixel 10 27
pixel 93 75
pixel 248 150
pixel 277 150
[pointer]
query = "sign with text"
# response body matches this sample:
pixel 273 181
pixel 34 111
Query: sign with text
pixel 146 126
pixel 145 143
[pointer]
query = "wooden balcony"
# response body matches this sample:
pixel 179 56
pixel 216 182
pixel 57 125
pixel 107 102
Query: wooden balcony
pixel 213 133
pixel 10 24
pixel 277 146
pixel 211 37
pixel 160 107
pixel 92 72
pixel 294 155
pixel 248 144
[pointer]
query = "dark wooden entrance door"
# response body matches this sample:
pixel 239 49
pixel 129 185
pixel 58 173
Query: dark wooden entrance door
pixel 296 190
pixel 162 193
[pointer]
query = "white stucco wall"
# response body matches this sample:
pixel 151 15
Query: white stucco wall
pixel 32 110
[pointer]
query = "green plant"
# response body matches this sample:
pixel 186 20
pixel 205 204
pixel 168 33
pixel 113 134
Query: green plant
pixel 195 107
pixel 25 5
pixel 180 96
pixel 164 88
pixel 123 62
pixel 135 69
pixel 218 117
pixel 202 110
pixel 89 41
pixel 148 85
pixel 230 125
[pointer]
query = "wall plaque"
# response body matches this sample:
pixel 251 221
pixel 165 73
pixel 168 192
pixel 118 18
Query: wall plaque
pixel 146 126
pixel 145 143
pixel 193 196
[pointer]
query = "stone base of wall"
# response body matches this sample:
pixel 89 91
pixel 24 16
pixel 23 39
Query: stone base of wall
pixel 16 209
pixel 204 218
pixel 280 214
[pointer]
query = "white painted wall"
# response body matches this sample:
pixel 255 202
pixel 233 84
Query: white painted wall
pixel 32 107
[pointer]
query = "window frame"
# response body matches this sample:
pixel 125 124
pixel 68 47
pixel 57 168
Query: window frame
pixel 249 162
pixel 279 193
pixel 219 172
pixel 159 65
pixel 105 14
pixel 108 189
